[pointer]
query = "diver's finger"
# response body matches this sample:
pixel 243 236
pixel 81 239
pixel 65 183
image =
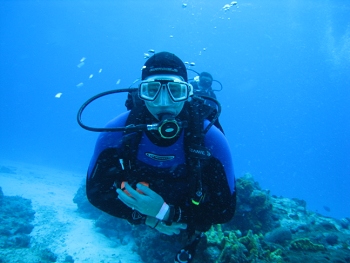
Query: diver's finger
pixel 131 190
pixel 183 226
pixel 127 200
pixel 146 190
pixel 179 225
pixel 122 195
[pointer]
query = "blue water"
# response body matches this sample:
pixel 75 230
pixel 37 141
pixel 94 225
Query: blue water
pixel 284 66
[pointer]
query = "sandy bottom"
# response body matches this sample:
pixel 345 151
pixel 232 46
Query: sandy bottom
pixel 57 224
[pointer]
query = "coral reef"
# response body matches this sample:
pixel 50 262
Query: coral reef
pixel 230 247
pixel 16 216
pixel 304 244
pixel 254 207
pixel 155 247
pixel 280 235
pixel 16 225
pixel 265 229
pixel 83 204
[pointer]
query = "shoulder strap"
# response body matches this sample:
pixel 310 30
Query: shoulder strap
pixel 131 140
pixel 195 150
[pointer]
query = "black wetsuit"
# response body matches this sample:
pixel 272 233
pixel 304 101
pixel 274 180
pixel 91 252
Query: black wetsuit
pixel 164 168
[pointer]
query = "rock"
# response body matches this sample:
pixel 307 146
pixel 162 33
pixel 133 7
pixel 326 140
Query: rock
pixel 294 216
pixel 344 222
pixel 254 207
pixel 113 227
pixel 245 185
pixel 332 239
pixel 305 244
pixel 279 235
pixel 16 215
pixel 328 226
pixel 212 253
pixel 84 206
pixel 258 198
pixel 300 202
pixel 48 255
pixel 252 243
pixel 276 256
pixel 68 259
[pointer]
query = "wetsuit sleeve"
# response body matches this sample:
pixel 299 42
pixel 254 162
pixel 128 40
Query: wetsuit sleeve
pixel 105 174
pixel 101 187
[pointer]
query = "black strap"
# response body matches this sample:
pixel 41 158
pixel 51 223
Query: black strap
pixel 131 140
pixel 186 254
pixel 195 148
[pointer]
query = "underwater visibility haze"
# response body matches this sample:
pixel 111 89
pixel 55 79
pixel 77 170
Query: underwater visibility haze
pixel 284 67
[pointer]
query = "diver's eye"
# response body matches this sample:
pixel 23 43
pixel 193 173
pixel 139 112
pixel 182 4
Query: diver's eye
pixel 153 88
pixel 178 90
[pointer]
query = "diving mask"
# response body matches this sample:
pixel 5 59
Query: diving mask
pixel 177 89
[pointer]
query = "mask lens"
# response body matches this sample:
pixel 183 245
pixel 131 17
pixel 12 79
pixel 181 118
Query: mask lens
pixel 149 90
pixel 178 91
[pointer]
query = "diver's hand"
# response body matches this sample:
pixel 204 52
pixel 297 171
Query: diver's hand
pixel 174 228
pixel 149 203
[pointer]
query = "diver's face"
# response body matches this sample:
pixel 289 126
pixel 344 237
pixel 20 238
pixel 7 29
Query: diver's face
pixel 205 82
pixel 163 104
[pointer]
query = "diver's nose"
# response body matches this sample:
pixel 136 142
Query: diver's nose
pixel 163 98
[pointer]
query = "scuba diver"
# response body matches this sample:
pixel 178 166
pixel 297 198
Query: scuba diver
pixel 202 86
pixel 165 162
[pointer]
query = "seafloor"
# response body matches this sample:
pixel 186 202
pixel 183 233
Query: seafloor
pixel 266 228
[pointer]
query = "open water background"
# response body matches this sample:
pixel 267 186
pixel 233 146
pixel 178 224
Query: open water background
pixel 284 66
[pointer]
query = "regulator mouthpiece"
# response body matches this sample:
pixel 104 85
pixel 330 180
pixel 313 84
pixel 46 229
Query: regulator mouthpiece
pixel 168 127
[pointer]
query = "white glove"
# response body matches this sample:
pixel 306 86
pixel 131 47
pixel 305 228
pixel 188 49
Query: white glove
pixel 174 228
pixel 149 203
